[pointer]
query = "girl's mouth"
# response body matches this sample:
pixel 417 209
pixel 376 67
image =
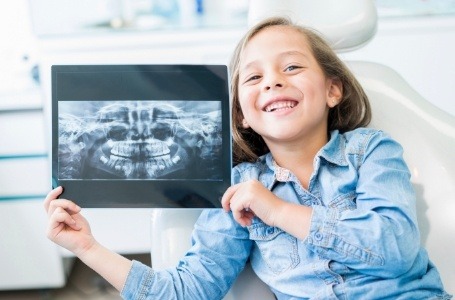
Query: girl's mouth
pixel 280 105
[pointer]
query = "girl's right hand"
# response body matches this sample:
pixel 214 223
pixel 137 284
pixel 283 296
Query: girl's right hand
pixel 66 225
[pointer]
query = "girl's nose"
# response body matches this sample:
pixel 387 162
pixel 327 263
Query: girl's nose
pixel 273 82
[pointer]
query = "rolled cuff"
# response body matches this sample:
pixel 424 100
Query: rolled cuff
pixel 138 279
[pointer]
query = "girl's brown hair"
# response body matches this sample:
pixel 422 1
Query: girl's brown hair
pixel 352 111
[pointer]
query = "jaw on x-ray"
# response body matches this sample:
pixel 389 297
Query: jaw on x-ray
pixel 141 140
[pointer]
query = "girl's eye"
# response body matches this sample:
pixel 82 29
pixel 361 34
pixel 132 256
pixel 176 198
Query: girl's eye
pixel 255 77
pixel 292 68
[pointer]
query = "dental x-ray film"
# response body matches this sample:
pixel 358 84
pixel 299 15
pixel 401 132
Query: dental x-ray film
pixel 141 135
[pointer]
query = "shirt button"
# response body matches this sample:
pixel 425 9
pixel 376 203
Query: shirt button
pixel 318 236
pixel 269 230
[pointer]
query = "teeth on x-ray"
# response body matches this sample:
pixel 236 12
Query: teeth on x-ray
pixel 138 139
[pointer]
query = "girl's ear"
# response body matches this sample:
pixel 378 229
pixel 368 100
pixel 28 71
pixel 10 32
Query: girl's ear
pixel 335 92
pixel 245 124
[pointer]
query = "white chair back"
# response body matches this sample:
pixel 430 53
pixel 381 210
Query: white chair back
pixel 347 24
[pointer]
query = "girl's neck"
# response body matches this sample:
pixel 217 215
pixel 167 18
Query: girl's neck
pixel 298 158
pixel 296 153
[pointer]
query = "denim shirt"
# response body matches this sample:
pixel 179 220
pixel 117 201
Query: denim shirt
pixel 363 242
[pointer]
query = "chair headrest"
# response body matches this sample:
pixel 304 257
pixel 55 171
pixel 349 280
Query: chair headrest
pixel 346 24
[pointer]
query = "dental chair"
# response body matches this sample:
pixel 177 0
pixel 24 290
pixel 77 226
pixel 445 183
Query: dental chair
pixel 426 133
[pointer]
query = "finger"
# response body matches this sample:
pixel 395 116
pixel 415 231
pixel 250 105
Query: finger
pixel 62 217
pixel 244 217
pixel 248 214
pixel 227 196
pixel 67 205
pixel 52 195
pixel 237 214
pixel 245 222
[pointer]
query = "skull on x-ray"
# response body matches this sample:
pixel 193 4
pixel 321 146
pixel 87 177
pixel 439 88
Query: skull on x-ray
pixel 140 140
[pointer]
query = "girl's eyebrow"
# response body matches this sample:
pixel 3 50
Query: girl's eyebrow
pixel 292 53
pixel 249 65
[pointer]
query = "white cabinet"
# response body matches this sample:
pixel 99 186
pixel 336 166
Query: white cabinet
pixel 27 258
pixel 22 132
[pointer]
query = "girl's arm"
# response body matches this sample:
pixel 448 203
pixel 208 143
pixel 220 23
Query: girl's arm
pixel 111 266
pixel 373 228
pixel 69 229
pixel 249 199
pixel 220 249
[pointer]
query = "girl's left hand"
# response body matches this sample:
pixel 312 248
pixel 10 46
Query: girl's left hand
pixel 249 199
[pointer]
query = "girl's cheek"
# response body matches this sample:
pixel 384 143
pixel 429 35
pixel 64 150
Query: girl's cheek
pixel 246 96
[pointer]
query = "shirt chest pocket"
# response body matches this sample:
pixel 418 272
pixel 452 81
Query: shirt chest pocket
pixel 278 248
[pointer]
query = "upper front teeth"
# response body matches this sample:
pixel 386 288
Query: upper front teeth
pixel 280 105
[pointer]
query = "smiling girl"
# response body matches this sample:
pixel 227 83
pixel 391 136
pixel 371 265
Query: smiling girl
pixel 321 206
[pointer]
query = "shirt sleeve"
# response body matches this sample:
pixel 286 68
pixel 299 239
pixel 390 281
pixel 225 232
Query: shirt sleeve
pixel 379 236
pixel 219 252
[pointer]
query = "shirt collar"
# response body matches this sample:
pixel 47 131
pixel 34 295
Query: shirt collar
pixel 280 174
pixel 334 150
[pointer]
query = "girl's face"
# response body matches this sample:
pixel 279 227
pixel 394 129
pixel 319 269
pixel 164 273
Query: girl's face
pixel 283 93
